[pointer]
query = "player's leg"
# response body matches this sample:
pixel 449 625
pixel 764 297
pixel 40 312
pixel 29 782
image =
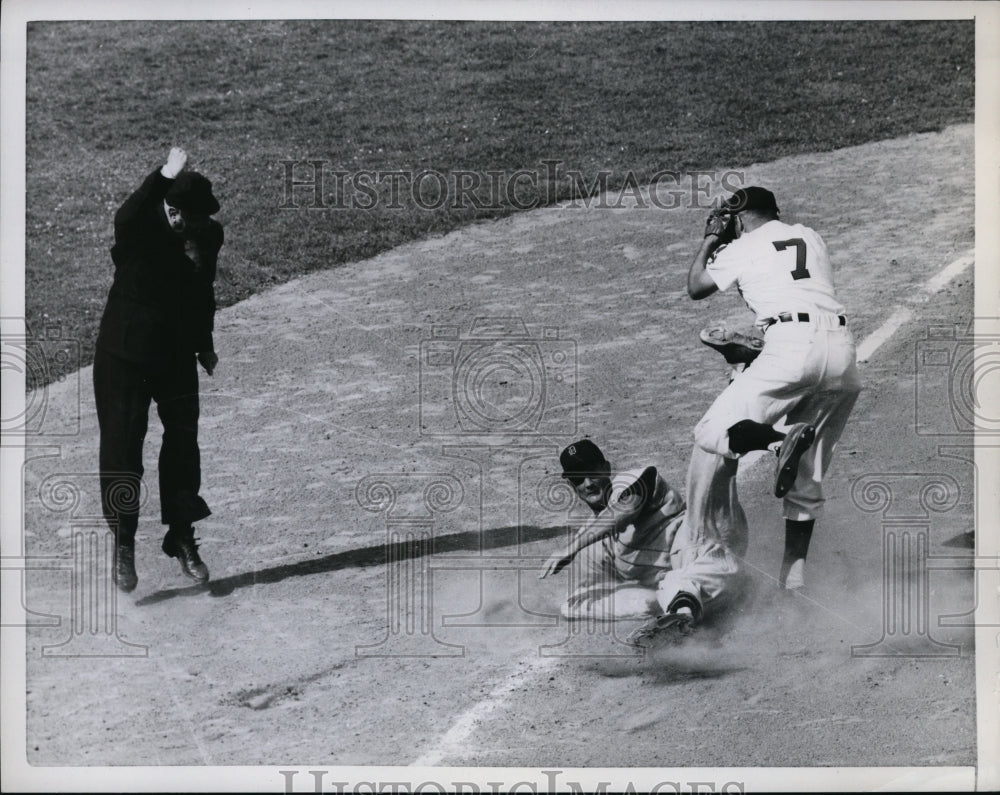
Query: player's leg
pixel 798 534
pixel 623 601
pixel 827 410
pixel 763 393
pixel 598 591
pixel 714 512
pixel 803 503
pixel 176 398
pixel 742 418
pixel 705 577
pixel 590 577
pixel 122 399
pixel 789 445
pixel 795 362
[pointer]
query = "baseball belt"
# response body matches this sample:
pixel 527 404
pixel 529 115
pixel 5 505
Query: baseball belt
pixel 789 317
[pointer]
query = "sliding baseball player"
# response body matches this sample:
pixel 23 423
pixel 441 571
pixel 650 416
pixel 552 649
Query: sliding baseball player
pixel 644 553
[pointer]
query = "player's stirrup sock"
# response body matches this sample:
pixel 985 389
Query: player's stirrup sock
pixel 747 435
pixel 797 538
pixel 125 534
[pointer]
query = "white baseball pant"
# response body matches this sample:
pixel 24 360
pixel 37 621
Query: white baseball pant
pixel 806 373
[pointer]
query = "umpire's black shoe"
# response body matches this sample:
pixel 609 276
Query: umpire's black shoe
pixel 797 440
pixel 124 571
pixel 183 547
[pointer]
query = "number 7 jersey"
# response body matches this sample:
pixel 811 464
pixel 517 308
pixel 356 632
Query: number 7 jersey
pixel 778 267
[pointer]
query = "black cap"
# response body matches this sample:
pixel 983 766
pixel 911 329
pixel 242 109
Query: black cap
pixel 582 458
pixel 192 192
pixel 752 198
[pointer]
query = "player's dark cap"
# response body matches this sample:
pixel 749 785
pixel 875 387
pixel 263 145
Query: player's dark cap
pixel 192 192
pixel 752 198
pixel 582 458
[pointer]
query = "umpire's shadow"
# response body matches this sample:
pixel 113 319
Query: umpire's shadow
pixel 376 555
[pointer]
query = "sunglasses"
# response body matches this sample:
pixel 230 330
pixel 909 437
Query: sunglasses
pixel 577 478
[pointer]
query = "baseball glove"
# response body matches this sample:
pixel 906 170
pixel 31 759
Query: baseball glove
pixel 722 224
pixel 737 348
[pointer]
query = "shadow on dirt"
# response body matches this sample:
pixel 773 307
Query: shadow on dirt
pixel 670 666
pixel 377 555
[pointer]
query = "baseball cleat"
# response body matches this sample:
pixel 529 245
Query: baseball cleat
pixel 124 571
pixel 735 347
pixel 665 628
pixel 796 577
pixel 798 439
pixel 185 549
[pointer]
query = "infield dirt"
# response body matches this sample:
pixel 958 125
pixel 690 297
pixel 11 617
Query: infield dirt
pixel 319 394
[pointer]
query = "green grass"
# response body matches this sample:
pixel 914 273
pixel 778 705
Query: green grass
pixel 105 101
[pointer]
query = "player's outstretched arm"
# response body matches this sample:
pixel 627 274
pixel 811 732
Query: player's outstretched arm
pixel 593 530
pixel 556 564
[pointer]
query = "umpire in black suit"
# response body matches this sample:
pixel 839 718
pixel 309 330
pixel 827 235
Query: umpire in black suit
pixel 157 326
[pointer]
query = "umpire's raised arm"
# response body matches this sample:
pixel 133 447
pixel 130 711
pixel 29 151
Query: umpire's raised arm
pixel 152 191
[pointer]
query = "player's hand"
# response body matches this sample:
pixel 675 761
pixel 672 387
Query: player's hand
pixel 720 226
pixel 555 564
pixel 208 360
pixel 176 161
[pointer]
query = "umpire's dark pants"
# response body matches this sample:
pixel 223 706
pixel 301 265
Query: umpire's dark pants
pixel 123 391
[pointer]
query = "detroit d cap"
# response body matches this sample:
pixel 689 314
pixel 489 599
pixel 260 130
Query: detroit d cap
pixel 752 198
pixel 192 192
pixel 582 457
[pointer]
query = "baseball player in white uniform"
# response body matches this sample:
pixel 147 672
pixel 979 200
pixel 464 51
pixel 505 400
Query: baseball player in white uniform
pixel 806 371
pixel 638 556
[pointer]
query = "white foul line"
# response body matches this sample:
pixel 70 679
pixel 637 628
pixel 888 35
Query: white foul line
pixel 903 315
pixel 935 284
pixel 877 338
pixel 453 741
